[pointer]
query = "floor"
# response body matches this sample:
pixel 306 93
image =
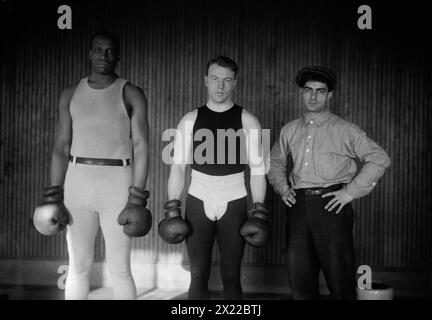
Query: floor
pixel 53 293
pixel 13 292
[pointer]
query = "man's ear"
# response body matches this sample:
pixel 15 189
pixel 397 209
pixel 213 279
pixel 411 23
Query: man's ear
pixel 330 94
pixel 206 81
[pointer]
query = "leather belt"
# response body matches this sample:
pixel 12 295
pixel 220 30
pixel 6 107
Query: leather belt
pixel 309 192
pixel 100 162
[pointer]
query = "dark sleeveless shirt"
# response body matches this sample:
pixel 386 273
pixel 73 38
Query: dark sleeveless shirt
pixel 226 163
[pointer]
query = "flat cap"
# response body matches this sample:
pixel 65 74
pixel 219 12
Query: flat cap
pixel 318 73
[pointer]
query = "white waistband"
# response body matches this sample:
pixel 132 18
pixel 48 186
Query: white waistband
pixel 217 191
pixel 226 188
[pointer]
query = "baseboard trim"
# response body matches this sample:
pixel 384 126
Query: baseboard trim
pixel 272 279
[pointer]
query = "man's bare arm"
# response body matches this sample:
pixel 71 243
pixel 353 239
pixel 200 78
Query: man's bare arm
pixel 136 99
pixel 182 152
pixel 258 184
pixel 63 138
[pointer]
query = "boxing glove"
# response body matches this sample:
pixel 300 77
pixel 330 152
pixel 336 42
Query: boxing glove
pixel 256 229
pixel 51 216
pixel 135 218
pixel 173 229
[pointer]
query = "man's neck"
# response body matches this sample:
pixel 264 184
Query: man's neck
pixel 316 115
pixel 101 80
pixel 219 107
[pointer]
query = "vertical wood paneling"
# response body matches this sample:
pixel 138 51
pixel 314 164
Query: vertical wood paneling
pixel 384 87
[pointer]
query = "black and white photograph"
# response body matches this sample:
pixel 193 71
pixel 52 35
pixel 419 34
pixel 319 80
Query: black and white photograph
pixel 216 157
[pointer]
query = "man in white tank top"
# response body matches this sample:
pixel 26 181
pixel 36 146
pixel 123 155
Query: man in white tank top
pixel 100 158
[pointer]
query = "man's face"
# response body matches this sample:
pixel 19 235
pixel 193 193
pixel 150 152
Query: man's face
pixel 220 83
pixel 103 56
pixel 316 96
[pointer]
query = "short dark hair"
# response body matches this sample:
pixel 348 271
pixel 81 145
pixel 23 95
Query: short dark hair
pixel 109 35
pixel 223 62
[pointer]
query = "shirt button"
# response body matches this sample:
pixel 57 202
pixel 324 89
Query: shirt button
pixel 306 163
pixel 311 121
pixel 309 137
pixel 373 183
pixel 307 150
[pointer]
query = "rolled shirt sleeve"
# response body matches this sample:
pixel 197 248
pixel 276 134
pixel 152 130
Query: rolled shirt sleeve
pixel 374 161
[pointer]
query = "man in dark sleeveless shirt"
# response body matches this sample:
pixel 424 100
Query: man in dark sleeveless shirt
pixel 100 157
pixel 216 205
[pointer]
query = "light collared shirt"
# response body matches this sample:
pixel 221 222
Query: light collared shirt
pixel 322 150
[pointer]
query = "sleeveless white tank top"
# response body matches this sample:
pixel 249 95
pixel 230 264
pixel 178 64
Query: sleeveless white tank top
pixel 100 123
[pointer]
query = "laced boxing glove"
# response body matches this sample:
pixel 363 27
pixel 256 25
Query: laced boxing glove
pixel 256 229
pixel 135 218
pixel 173 229
pixel 51 216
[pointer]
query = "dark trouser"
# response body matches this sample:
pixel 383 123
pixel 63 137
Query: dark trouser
pixel 200 244
pixel 318 239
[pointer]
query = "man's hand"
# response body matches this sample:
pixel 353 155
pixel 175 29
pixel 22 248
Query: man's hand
pixel 341 198
pixel 289 197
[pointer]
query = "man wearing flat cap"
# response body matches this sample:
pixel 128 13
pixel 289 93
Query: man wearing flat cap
pixel 320 185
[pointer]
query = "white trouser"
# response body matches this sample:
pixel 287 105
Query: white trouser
pixel 95 195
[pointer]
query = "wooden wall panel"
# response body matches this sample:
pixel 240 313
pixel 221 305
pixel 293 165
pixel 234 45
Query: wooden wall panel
pixel 384 87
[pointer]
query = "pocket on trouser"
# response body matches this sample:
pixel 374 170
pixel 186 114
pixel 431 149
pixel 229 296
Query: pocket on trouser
pixel 78 188
pixel 113 187
pixel 297 226
pixel 330 222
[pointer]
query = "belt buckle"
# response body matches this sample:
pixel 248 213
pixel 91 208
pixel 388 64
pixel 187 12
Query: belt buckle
pixel 312 192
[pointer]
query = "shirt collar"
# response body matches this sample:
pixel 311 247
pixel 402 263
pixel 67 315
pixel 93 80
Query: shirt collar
pixel 318 119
